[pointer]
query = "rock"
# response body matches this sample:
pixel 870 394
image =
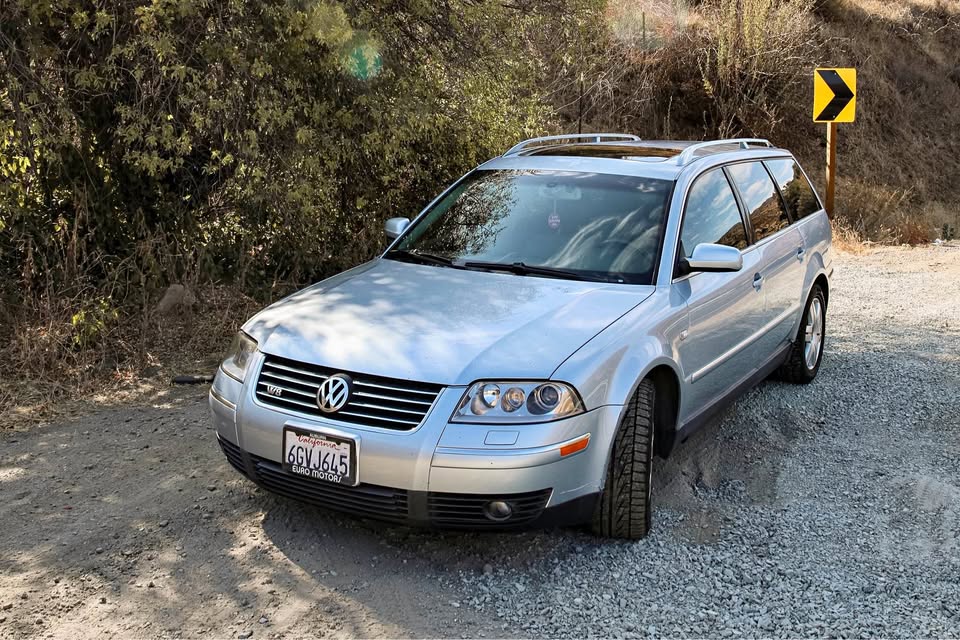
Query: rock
pixel 175 296
pixel 243 635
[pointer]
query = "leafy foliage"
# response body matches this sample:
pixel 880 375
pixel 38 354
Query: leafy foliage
pixel 189 139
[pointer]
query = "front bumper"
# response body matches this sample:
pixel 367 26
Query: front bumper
pixel 439 474
pixel 412 508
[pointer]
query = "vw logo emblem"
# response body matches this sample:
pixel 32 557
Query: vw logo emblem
pixel 334 393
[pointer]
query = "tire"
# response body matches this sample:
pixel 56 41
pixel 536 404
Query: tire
pixel 801 366
pixel 623 510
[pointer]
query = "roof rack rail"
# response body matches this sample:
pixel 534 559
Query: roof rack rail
pixel 686 156
pixel 586 137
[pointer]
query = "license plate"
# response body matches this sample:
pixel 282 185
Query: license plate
pixel 320 456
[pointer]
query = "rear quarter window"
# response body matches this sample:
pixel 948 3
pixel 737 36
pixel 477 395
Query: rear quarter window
pixel 799 195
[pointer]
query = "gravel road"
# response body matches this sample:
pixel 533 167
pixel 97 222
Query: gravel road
pixel 827 509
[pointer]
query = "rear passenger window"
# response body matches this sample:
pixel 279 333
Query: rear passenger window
pixel 712 215
pixel 796 189
pixel 767 215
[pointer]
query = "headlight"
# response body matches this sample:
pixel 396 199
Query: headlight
pixel 238 357
pixel 518 402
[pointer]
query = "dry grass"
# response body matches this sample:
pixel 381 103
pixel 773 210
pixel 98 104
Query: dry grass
pixel 847 240
pixel 896 11
pixel 133 355
pixel 871 212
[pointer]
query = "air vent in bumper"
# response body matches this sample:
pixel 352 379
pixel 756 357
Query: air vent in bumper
pixel 372 501
pixel 452 510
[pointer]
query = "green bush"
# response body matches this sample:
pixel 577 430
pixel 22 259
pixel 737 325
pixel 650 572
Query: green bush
pixel 178 139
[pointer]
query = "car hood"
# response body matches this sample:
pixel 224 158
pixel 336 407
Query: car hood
pixel 441 325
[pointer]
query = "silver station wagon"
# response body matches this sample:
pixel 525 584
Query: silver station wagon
pixel 526 344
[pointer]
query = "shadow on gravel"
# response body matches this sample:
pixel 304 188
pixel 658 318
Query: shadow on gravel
pixel 131 522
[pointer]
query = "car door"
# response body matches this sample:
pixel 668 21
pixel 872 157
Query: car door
pixel 724 309
pixel 780 246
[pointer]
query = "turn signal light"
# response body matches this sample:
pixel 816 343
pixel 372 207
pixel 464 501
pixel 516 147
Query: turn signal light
pixel 575 446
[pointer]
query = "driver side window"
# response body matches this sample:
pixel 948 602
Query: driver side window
pixel 712 215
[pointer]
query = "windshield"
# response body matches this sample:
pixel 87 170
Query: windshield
pixel 598 226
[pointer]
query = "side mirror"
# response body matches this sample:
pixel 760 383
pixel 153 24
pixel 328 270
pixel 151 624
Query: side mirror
pixel 395 226
pixel 714 258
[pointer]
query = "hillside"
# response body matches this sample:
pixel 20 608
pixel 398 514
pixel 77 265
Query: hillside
pixel 668 68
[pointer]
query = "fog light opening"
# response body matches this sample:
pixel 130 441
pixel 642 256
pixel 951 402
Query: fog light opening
pixel 498 510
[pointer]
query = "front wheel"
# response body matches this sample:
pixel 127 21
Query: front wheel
pixel 803 362
pixel 624 507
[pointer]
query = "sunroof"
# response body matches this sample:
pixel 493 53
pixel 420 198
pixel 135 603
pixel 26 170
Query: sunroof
pixel 615 151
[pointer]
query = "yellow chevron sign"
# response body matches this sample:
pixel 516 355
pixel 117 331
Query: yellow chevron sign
pixel 834 95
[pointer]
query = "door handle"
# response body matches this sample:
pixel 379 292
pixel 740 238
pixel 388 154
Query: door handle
pixel 800 252
pixel 757 281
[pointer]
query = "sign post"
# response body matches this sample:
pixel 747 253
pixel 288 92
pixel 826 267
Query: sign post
pixel 831 165
pixel 834 101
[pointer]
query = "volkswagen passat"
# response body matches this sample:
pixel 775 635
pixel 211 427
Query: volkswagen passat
pixel 525 345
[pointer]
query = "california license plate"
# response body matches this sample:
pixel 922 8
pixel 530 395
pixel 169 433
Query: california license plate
pixel 320 456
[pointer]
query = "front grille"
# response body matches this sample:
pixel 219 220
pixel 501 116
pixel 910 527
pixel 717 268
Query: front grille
pixel 387 403
pixel 467 509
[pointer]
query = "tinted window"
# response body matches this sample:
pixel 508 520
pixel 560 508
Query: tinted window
pixel 767 215
pixel 605 227
pixel 796 189
pixel 711 215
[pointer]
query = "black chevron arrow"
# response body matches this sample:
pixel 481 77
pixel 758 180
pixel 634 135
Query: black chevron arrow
pixel 842 95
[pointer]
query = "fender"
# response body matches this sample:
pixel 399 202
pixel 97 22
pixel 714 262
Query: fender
pixel 607 369
pixel 817 237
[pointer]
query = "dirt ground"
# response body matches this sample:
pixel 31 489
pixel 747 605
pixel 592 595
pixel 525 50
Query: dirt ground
pixel 128 522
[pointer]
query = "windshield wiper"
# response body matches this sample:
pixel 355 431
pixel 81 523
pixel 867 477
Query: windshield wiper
pixel 522 269
pixel 422 257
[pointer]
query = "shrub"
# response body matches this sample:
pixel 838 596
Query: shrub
pixel 261 140
pixel 711 69
pixel 881 214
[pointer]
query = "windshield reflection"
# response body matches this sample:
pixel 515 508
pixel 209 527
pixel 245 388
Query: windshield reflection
pixel 604 227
